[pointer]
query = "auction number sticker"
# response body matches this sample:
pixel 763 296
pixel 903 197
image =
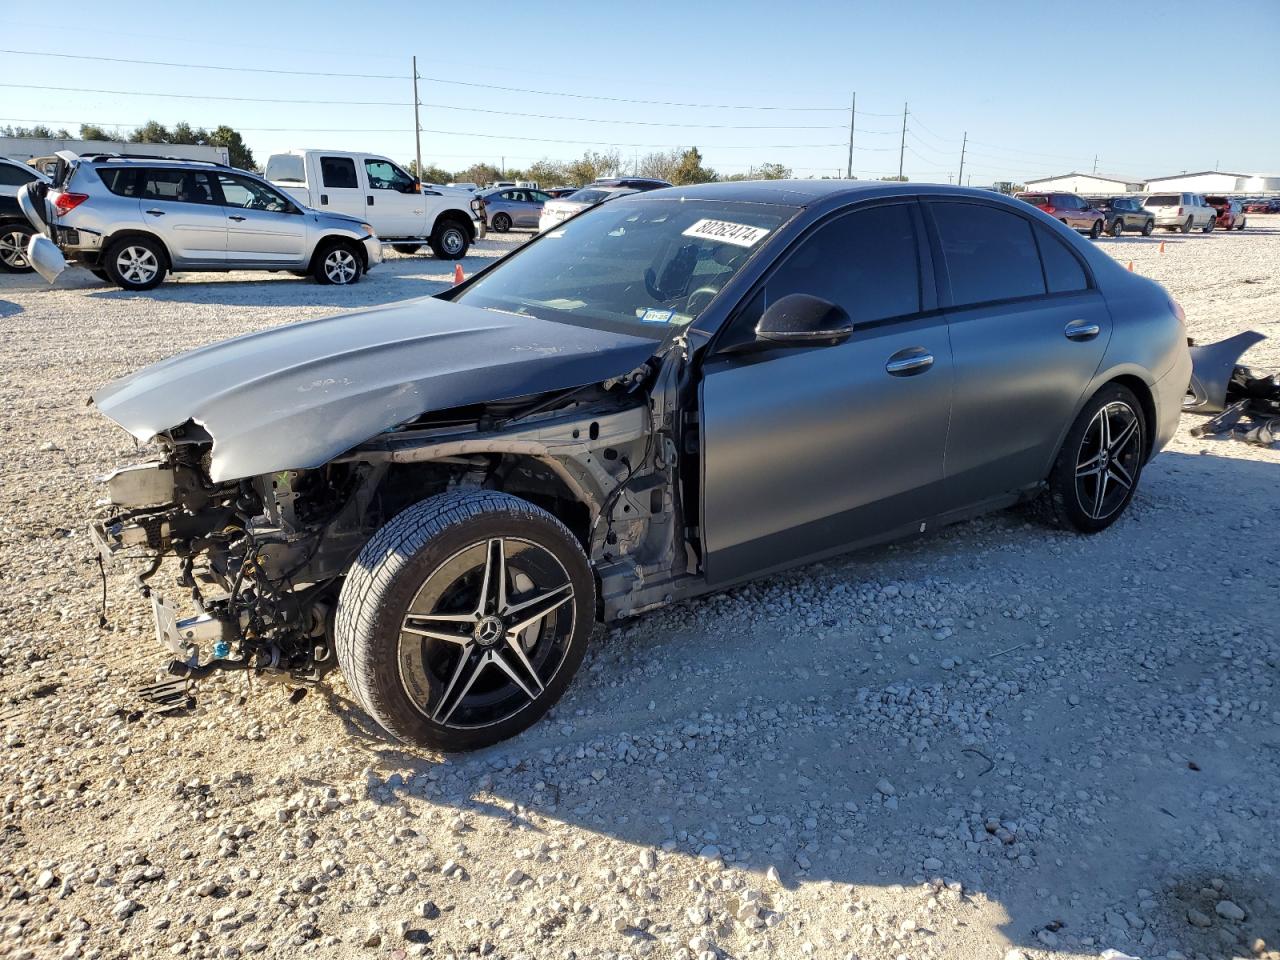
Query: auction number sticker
pixel 738 234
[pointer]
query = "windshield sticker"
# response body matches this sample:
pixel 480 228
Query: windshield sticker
pixel 655 315
pixel 738 234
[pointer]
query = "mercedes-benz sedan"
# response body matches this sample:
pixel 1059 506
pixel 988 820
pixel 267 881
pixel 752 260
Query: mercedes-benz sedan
pixel 669 394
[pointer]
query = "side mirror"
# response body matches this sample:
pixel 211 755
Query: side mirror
pixel 801 320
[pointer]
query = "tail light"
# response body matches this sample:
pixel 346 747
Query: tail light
pixel 1048 208
pixel 64 203
pixel 1179 211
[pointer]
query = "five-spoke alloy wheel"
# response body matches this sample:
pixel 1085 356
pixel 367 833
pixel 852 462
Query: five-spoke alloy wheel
pixel 1101 460
pixel 464 619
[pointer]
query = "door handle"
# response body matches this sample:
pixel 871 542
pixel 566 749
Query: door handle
pixel 236 217
pixel 909 362
pixel 370 199
pixel 1081 330
pixel 324 199
pixel 155 213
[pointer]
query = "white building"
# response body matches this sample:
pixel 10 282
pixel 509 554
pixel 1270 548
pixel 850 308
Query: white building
pixel 1087 183
pixel 1206 181
pixel 23 149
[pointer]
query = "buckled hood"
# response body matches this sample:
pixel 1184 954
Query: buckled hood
pixel 296 396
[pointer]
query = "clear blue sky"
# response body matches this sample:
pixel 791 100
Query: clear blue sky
pixel 1150 88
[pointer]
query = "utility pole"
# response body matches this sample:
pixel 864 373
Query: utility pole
pixel 903 145
pixel 963 146
pixel 417 124
pixel 1095 163
pixel 853 112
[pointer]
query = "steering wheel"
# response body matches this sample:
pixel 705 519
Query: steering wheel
pixel 691 306
pixel 651 286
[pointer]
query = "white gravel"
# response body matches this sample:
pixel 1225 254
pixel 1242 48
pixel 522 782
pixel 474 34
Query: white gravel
pixel 996 741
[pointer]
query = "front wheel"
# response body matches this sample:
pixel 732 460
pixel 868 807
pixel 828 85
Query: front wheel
pixel 1100 463
pixel 1095 231
pixel 136 264
pixel 1208 227
pixel 463 620
pixel 450 240
pixel 14 238
pixel 1148 228
pixel 337 264
pixel 1186 227
pixel 1117 226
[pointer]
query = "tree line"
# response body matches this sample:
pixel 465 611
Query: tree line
pixel 679 167
pixel 238 154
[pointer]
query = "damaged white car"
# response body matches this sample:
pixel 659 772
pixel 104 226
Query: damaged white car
pixel 665 395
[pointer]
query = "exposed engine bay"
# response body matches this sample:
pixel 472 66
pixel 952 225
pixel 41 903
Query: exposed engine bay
pixel 261 560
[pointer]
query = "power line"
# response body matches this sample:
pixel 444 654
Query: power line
pixel 444 80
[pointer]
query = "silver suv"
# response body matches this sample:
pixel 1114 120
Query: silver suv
pixel 131 220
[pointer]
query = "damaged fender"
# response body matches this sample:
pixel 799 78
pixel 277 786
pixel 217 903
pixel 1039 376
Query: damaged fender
pixel 1212 365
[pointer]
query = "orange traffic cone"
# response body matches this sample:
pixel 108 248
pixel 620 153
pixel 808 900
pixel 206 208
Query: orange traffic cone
pixel 1131 266
pixel 1162 246
pixel 457 274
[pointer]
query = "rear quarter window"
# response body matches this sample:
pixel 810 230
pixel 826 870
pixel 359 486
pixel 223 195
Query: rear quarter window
pixel 990 253
pixel 122 181
pixel 14 176
pixel 1063 272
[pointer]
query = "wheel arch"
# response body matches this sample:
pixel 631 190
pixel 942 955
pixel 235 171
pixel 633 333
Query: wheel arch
pixel 453 215
pixel 134 234
pixel 331 239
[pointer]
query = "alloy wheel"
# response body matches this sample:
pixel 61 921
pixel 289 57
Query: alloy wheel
pixel 13 249
pixel 137 264
pixel 453 241
pixel 1108 460
pixel 486 633
pixel 340 266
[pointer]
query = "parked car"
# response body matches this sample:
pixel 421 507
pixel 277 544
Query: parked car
pixel 15 229
pixel 1230 212
pixel 464 185
pixel 132 220
pixel 555 212
pixel 1263 206
pixel 670 394
pixel 1075 211
pixel 557 192
pixel 1124 213
pixel 512 207
pixel 1181 211
pixel 404 213
pixel 631 183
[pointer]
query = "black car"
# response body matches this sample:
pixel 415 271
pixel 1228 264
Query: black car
pixel 1125 213
pixel 631 183
pixel 15 229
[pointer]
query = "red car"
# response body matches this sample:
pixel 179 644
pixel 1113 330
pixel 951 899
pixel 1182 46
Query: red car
pixel 1262 206
pixel 1230 212
pixel 1076 212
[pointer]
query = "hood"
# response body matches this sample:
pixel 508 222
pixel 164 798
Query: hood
pixel 296 396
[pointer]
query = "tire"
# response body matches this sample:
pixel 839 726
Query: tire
pixel 14 238
pixel 1148 228
pixel 436 556
pixel 1095 231
pixel 337 263
pixel 1117 227
pixel 502 223
pixel 1240 225
pixel 1186 227
pixel 1208 227
pixel 1072 500
pixel 136 263
pixel 406 248
pixel 450 240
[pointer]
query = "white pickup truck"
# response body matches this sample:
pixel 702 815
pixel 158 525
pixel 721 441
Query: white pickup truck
pixel 404 212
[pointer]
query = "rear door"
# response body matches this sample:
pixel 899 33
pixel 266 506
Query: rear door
pixel 180 206
pixel 339 186
pixel 808 450
pixel 1028 331
pixel 393 201
pixel 263 225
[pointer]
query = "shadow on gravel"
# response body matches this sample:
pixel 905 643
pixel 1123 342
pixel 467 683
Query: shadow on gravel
pixel 9 309
pixel 761 747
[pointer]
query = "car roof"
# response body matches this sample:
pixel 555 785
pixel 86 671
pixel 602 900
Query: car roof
pixel 804 193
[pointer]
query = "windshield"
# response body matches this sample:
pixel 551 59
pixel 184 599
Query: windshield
pixel 587 196
pixel 640 267
pixel 1036 199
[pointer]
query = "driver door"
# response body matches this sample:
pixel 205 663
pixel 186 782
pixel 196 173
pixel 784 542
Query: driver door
pixel 808 450
pixel 394 199
pixel 263 226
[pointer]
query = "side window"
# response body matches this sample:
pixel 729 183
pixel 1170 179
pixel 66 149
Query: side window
pixel 251 195
pixel 14 176
pixel 385 175
pixel 538 196
pixel 866 262
pixel 990 253
pixel 123 182
pixel 339 173
pixel 1062 270
pixel 183 186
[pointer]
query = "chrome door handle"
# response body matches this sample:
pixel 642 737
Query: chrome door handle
pixel 236 218
pixel 155 213
pixel 1081 330
pixel 909 362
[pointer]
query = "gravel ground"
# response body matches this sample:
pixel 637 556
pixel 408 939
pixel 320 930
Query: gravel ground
pixel 993 742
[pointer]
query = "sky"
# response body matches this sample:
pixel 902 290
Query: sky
pixel 1146 88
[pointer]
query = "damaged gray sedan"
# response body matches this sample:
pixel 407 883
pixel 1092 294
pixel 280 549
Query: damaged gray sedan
pixel 663 396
